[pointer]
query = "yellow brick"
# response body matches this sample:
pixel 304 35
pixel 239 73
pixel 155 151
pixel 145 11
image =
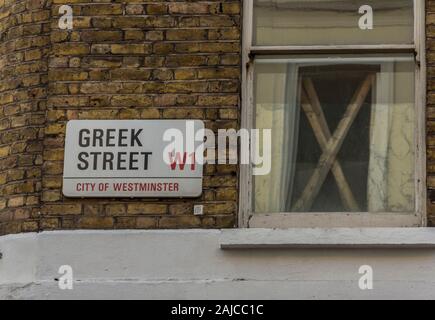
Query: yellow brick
pixel 16 202
pixel 96 223
pixel 54 155
pixel 67 49
pixel 30 226
pixel 49 224
pixel 145 208
pixel 2 204
pixel 115 209
pixel 130 48
pixel 146 223
pixel 62 209
pixel 220 208
pixel 179 222
pixel 51 196
pixel 226 194
pixel 55 128
pixel 150 113
pixel 4 151
pixel 184 209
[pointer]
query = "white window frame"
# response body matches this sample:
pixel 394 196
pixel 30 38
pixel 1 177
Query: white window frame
pixel 247 219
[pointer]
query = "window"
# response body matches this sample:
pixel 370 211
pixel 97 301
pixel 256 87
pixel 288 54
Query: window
pixel 341 85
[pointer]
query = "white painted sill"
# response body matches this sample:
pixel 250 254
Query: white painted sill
pixel 338 238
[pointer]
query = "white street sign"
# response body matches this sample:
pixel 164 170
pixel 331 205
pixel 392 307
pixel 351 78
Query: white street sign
pixel 125 158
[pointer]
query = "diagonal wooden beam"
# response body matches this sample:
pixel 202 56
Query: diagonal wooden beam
pixel 312 108
pixel 305 202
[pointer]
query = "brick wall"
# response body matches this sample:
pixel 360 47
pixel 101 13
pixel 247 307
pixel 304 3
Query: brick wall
pixel 127 59
pixel 24 46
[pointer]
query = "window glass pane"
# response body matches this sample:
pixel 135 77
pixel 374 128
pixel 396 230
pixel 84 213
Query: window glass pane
pixel 342 133
pixel 332 22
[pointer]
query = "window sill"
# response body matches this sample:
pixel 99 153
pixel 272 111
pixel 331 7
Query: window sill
pixel 339 238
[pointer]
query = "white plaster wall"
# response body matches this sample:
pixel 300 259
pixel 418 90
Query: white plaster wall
pixel 190 265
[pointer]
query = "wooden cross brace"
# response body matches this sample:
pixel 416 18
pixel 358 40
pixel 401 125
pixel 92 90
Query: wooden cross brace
pixel 330 145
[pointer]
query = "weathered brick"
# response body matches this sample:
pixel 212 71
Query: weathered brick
pixel 51 196
pixel 220 208
pixel 95 223
pixel 126 49
pixel 49 223
pixel 156 8
pixel 146 208
pixel 125 223
pixel 146 223
pixel 179 222
pixel 4 151
pixel 229 194
pixel 101 9
pixel 101 36
pixel 135 9
pixel 129 60
pixel 188 8
pixel 70 49
pixel 186 34
pixel 181 209
pixel 115 209
pixel 30 226
pixel 62 209
pixel 16 202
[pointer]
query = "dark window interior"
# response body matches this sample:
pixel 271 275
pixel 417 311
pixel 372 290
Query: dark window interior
pixel 335 86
